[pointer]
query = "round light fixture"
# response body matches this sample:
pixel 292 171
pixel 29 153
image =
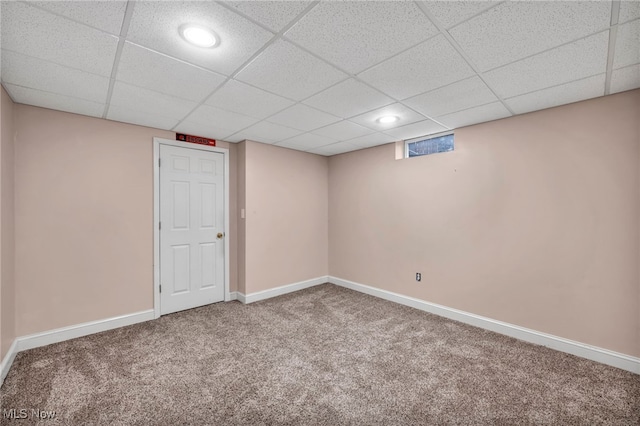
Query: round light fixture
pixel 198 36
pixel 388 119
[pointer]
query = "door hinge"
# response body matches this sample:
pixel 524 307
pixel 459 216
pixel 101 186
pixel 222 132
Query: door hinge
pixel 159 225
pixel 160 288
pixel 158 162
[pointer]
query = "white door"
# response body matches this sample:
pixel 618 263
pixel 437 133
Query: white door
pixel 191 228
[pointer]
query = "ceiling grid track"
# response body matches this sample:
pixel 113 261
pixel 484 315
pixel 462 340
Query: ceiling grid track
pixel 273 39
pixel 116 62
pixel 301 101
pixel 281 35
pixel 462 53
pixel 359 80
pixel 613 35
pixel 68 18
pixel 475 15
pixel 549 49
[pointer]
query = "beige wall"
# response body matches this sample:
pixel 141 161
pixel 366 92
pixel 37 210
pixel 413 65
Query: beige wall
pixel 532 220
pixel 84 218
pixel 286 196
pixel 84 234
pixel 7 275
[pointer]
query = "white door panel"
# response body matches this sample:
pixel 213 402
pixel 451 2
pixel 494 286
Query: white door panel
pixel 192 228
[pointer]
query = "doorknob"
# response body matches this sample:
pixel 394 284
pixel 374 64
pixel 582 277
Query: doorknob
pixel 220 235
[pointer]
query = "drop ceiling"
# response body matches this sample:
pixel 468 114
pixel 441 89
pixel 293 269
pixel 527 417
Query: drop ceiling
pixel 316 75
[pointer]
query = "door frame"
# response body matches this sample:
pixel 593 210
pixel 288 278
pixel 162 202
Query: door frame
pixel 156 215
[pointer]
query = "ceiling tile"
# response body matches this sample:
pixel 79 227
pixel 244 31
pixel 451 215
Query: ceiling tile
pixel 515 30
pixel 627 45
pixel 238 138
pixel 153 103
pixel 104 15
pixel 343 130
pixel 306 142
pixel 37 74
pixel 334 149
pixel 24 95
pixel 229 122
pixel 432 64
pixel 155 24
pixel 273 14
pixel 145 68
pixel 450 13
pixel 374 139
pixel 302 117
pixel 267 132
pixel 284 69
pixel 140 117
pixel 474 115
pixel 348 98
pixel 575 91
pixel 355 35
pixel 627 78
pixel 40 34
pixel 242 98
pixel 414 130
pixel 405 115
pixel 573 61
pixel 203 130
pixel 629 10
pixel 454 97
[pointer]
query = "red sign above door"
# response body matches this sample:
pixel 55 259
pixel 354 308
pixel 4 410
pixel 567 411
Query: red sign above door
pixel 195 139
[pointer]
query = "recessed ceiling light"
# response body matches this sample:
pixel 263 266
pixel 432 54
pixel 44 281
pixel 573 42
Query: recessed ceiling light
pixel 198 36
pixel 388 119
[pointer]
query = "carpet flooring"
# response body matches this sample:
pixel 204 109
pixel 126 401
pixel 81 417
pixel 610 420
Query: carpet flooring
pixel 321 356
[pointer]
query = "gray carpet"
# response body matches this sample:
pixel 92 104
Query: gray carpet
pixel 321 356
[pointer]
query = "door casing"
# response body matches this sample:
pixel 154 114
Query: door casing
pixel 156 215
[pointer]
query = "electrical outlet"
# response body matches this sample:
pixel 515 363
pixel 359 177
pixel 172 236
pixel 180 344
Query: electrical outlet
pixel 418 276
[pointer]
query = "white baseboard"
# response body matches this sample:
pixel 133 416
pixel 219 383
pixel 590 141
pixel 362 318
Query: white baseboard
pixel 233 295
pixel 66 333
pixel 561 344
pixel 5 364
pixel 279 291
